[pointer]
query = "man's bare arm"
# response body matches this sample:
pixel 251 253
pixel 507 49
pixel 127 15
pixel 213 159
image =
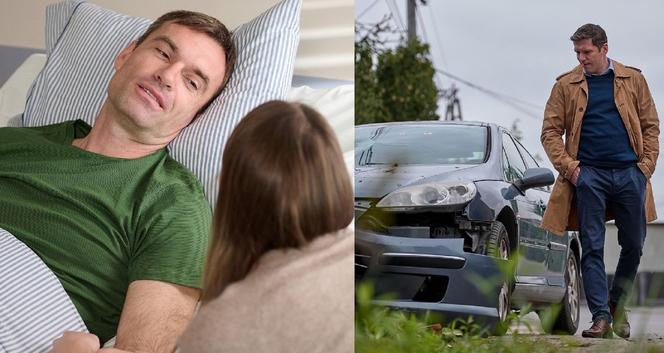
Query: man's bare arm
pixel 154 315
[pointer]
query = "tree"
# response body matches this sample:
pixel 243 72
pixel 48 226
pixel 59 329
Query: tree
pixel 368 93
pixel 393 84
pixel 406 78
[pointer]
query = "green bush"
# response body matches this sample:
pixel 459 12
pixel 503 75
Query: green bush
pixel 406 76
pixel 379 329
pixel 393 84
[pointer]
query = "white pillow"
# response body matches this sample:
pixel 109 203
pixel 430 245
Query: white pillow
pixel 15 90
pixel 338 106
pixel 83 39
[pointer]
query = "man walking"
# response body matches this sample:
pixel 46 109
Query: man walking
pixel 607 115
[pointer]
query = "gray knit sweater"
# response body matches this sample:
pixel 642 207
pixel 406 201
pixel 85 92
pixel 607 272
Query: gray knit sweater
pixel 299 300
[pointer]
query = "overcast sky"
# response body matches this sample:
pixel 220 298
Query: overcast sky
pixel 518 48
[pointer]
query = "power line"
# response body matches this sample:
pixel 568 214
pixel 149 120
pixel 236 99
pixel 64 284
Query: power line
pixel 506 99
pixel 487 90
pixel 426 38
pixel 518 104
pixel 394 9
pixel 366 10
pixel 421 23
pixel 440 42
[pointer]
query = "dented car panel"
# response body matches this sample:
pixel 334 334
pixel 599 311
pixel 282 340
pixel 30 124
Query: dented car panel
pixel 427 274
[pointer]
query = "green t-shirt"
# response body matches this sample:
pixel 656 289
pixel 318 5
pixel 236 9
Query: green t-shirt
pixel 99 222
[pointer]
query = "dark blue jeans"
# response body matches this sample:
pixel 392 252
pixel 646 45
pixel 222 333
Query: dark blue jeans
pixel 622 191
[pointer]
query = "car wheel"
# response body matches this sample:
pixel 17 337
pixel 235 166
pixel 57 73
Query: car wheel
pixel 498 246
pixel 567 319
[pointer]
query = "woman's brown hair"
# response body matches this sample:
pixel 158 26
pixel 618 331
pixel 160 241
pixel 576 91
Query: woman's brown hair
pixel 283 183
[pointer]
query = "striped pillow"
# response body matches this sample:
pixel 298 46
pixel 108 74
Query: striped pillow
pixel 83 39
pixel 34 307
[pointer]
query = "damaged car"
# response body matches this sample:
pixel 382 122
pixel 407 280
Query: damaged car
pixel 441 206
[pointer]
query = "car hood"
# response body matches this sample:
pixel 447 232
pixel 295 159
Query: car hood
pixel 378 181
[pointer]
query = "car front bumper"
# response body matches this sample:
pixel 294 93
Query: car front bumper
pixel 429 275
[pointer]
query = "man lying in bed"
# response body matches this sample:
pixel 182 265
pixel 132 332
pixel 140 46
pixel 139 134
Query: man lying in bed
pixel 122 225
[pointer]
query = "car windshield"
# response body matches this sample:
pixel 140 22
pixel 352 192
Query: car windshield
pixel 420 144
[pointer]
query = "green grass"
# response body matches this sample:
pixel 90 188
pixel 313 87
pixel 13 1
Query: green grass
pixel 379 329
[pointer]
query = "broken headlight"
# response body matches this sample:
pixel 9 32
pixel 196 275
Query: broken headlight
pixel 430 194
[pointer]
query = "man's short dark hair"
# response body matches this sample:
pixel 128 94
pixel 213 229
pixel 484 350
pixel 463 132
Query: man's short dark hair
pixel 205 24
pixel 590 31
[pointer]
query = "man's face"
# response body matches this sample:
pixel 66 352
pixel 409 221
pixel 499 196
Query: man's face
pixel 592 58
pixel 160 85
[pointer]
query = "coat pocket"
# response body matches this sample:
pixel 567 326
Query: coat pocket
pixel 644 169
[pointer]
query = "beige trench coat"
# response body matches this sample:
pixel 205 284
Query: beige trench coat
pixel 563 116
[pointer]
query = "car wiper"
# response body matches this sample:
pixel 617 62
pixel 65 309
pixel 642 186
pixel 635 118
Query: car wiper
pixel 369 155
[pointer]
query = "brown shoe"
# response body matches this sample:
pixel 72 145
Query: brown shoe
pixel 620 324
pixel 600 329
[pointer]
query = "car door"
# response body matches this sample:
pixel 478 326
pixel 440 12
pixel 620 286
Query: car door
pixel 533 241
pixel 556 245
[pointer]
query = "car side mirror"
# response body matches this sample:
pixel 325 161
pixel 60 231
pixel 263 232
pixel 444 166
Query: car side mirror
pixel 534 177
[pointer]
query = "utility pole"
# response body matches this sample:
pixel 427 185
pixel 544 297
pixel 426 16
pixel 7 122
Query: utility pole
pixel 453 109
pixel 412 26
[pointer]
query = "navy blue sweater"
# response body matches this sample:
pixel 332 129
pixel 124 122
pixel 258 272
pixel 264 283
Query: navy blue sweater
pixel 604 142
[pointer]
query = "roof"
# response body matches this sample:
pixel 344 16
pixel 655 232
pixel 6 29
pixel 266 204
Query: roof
pixel 431 122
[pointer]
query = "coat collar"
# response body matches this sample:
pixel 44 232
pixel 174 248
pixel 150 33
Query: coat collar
pixel 619 70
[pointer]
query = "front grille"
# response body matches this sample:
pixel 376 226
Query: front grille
pixel 418 288
pixel 432 290
pixel 413 225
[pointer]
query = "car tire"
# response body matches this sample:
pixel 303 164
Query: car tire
pixel 567 319
pixel 498 246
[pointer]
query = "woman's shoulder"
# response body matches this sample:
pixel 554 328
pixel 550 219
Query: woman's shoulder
pixel 293 298
pixel 321 264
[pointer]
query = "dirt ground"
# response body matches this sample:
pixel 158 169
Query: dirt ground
pixel 647 334
pixel 597 345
